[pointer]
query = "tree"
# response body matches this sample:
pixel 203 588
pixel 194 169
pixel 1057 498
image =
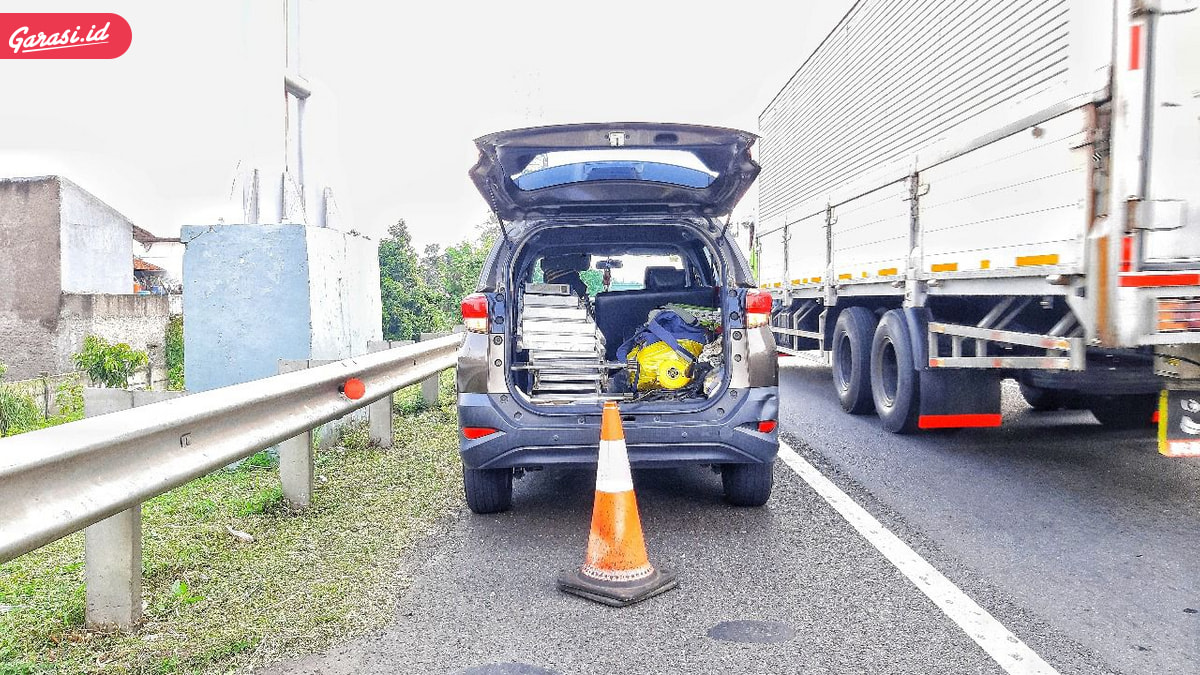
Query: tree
pixel 423 293
pixel 410 305
pixel 594 280
pixel 109 365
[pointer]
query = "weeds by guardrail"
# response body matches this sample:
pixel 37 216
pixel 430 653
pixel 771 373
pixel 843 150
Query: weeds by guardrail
pixel 304 583
pixel 59 480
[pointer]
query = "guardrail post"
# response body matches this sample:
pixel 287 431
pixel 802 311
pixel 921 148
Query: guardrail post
pixel 112 549
pixel 112 554
pixel 379 413
pixel 431 387
pixel 296 456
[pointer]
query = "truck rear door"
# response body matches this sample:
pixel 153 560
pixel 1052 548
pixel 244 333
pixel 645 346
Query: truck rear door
pixel 1171 223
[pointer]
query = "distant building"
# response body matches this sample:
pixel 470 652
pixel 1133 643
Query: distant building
pixel 208 152
pixel 209 142
pixel 65 273
pixel 148 277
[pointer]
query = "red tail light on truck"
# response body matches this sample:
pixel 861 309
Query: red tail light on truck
pixel 1178 315
pixel 475 313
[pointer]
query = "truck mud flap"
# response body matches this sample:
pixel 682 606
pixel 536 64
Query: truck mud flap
pixel 1179 423
pixel 950 398
pixel 954 399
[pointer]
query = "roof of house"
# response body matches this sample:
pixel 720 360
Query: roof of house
pixel 140 265
pixel 142 236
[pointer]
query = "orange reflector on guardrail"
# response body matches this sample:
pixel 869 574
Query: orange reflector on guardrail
pixel 353 389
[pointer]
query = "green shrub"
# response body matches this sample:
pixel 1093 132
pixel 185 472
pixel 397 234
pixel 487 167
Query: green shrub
pixel 18 411
pixel 68 399
pixel 174 353
pixel 109 365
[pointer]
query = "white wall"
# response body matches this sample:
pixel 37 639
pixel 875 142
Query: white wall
pixel 96 244
pixel 137 320
pixel 344 293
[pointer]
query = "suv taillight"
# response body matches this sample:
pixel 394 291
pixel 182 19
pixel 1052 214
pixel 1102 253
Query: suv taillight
pixel 475 313
pixel 758 307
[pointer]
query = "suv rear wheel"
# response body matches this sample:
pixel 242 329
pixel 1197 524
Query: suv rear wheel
pixel 488 490
pixel 748 484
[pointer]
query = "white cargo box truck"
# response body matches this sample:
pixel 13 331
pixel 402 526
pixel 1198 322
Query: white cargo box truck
pixel 958 191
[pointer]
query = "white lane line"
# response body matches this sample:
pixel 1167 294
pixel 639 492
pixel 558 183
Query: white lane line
pixel 1006 649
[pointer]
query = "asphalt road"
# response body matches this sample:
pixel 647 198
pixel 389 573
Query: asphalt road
pixel 1082 542
pixel 1090 530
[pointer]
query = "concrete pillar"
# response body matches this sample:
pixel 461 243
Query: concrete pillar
pixel 296 456
pixel 431 386
pixel 112 549
pixel 112 554
pixel 380 413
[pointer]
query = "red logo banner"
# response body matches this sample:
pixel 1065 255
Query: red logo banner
pixel 64 36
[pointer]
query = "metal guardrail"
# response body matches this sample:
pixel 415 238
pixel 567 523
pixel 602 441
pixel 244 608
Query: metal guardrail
pixel 60 480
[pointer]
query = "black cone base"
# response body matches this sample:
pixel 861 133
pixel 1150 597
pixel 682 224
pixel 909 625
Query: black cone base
pixel 616 593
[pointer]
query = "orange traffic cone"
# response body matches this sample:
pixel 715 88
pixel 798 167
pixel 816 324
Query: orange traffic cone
pixel 616 571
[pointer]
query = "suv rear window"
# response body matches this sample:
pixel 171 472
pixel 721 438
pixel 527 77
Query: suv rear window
pixel 673 167
pixel 628 271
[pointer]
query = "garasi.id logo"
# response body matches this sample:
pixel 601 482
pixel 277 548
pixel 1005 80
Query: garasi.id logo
pixel 64 36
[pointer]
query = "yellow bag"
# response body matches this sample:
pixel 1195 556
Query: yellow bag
pixel 660 367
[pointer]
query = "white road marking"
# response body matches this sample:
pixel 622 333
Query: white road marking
pixel 1006 649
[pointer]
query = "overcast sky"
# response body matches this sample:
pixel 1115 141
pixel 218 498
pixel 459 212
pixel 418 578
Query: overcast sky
pixel 415 86
pixel 412 85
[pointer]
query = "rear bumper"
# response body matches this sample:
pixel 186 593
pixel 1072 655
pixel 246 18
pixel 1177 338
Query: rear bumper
pixel 726 433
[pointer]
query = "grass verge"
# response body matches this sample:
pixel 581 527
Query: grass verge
pixel 216 604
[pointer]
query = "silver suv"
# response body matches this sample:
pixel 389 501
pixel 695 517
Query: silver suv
pixel 616 278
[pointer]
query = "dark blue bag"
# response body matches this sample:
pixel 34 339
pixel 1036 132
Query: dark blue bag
pixel 666 326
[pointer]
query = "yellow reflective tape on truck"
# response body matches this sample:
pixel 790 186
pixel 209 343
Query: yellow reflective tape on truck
pixel 1032 260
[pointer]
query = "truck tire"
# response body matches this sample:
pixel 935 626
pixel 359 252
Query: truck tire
pixel 488 490
pixel 1131 411
pixel 895 385
pixel 748 484
pixel 852 360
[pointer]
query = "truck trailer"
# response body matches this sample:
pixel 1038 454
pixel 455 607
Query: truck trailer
pixel 954 192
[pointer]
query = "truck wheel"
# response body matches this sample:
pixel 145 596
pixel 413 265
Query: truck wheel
pixel 1042 399
pixel 852 360
pixel 894 382
pixel 488 490
pixel 1131 411
pixel 748 484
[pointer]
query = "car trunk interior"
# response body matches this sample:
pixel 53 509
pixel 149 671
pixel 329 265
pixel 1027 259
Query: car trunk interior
pixel 582 300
